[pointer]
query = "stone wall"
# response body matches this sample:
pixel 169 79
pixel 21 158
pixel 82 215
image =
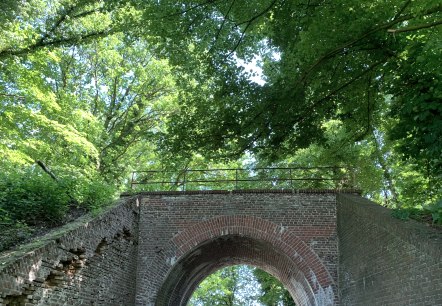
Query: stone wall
pixel 386 261
pixel 89 262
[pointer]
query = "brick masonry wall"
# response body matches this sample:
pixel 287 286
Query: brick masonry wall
pixel 292 235
pixel 386 261
pixel 89 262
pixel 154 250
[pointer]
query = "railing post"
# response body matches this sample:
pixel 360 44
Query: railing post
pixel 352 178
pixel 236 179
pixel 132 180
pixel 183 188
pixel 291 180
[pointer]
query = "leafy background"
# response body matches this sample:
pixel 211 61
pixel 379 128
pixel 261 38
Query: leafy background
pixel 92 90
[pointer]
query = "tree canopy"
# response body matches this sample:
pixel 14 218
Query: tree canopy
pixel 322 61
pixel 356 84
pixel 90 90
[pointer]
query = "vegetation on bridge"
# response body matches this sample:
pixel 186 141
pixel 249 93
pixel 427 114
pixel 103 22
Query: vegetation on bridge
pixel 91 90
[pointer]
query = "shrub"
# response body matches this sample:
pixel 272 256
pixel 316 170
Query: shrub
pixel 436 212
pixel 431 213
pixel 12 232
pixel 97 194
pixel 32 197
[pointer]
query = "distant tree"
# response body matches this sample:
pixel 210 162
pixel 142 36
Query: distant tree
pixel 273 291
pixel 228 286
pixel 240 286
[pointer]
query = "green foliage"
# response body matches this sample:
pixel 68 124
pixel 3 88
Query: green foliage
pixel 96 89
pixel 37 24
pixel 436 212
pixel 220 288
pixel 12 232
pixel 88 111
pixel 368 68
pixel 273 290
pixel 332 59
pixel 32 197
pixel 431 213
pixel 240 285
pixel 417 105
pixel 94 193
pixel 400 213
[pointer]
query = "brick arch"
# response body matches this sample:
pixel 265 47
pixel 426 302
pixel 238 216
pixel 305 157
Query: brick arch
pixel 227 240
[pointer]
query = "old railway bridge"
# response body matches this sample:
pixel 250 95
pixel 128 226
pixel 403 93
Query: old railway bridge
pixel 327 246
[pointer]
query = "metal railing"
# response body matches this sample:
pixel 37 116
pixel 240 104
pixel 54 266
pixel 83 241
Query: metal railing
pixel 234 179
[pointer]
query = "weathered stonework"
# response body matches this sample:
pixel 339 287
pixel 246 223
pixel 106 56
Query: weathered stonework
pixel 327 248
pixel 89 262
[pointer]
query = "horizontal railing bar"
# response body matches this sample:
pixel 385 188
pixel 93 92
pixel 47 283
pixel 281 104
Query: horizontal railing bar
pixel 199 177
pixel 239 169
pixel 241 180
pixel 236 169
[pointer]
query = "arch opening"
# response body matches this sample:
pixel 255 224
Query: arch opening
pixel 241 285
pixel 228 250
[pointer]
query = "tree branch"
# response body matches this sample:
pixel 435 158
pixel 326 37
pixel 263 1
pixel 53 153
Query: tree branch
pixel 55 43
pixel 243 33
pixel 268 8
pixel 350 43
pixel 87 13
pixel 47 170
pixel 249 23
pixel 13 96
pixel 190 8
pixel 402 9
pixel 111 109
pixel 416 27
pixel 348 83
pixel 55 25
pixel 224 20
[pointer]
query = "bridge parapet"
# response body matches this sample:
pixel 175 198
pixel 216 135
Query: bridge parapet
pixel 184 236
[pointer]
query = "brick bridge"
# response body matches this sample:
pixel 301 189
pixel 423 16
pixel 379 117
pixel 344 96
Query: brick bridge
pixel 326 247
